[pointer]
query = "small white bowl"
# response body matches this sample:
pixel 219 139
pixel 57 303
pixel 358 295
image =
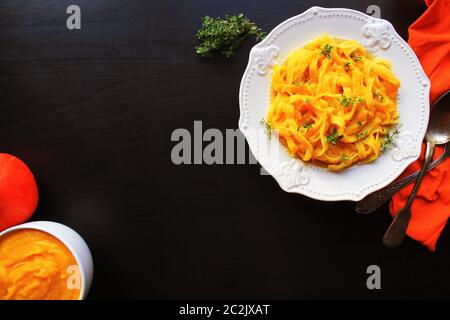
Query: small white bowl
pixel 73 241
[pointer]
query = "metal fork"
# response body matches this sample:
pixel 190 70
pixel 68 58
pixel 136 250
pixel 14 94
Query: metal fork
pixel 376 199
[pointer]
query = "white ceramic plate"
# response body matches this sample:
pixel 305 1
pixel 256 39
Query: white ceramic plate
pixel 380 38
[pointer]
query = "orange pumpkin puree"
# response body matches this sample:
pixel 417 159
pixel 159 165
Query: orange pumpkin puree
pixel 34 265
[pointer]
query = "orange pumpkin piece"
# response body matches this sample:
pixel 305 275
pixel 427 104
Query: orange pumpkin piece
pixel 18 192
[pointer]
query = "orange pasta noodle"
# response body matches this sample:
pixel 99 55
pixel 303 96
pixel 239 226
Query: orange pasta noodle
pixel 332 103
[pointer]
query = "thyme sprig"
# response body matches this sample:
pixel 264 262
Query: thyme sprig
pixel 224 35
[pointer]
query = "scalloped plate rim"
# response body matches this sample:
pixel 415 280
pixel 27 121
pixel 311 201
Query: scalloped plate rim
pixel 356 196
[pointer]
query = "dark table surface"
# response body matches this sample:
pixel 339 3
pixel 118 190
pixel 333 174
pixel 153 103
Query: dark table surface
pixel 92 112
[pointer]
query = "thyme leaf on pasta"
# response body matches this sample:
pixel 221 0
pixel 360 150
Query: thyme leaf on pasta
pixel 347 101
pixel 390 137
pixel 326 50
pixel 333 138
pixel 347 66
pixel 378 96
pixel 354 55
pixel 308 126
pixel 362 135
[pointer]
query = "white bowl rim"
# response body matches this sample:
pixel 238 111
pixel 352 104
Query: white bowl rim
pixel 35 225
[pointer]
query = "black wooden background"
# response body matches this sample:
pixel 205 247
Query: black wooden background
pixel 92 112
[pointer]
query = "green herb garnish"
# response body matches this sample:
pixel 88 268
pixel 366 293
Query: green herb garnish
pixel 345 157
pixel 225 35
pixel 347 66
pixel 347 101
pixel 378 96
pixel 364 135
pixel 360 100
pixel 326 50
pixel 355 56
pixel 268 127
pixel 333 138
pixel 308 126
pixel 360 123
pixel 390 137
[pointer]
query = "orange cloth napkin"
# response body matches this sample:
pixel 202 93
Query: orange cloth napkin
pixel 429 37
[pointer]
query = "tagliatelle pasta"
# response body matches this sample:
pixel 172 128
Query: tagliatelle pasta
pixel 332 103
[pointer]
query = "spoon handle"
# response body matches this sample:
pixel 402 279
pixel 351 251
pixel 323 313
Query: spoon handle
pixel 395 234
pixel 376 199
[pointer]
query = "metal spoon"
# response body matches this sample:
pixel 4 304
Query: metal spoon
pixel 376 199
pixel 438 132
